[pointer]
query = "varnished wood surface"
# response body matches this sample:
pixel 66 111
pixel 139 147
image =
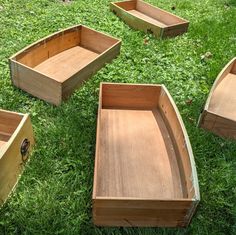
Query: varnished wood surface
pixel 67 63
pixel 223 100
pixel 137 158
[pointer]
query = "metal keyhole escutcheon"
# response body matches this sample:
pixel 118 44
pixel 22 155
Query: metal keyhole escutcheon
pixel 24 149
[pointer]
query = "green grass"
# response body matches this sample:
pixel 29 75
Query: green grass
pixel 54 193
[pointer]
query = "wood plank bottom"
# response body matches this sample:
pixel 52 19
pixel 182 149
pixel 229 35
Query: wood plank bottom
pixel 146 18
pixel 65 64
pixel 137 156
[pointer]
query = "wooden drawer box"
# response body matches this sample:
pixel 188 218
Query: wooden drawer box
pixel 219 113
pixel 16 141
pixel 143 16
pixel 52 68
pixel 144 173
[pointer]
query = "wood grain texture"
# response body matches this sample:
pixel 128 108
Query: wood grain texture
pixel 226 70
pixel 49 47
pixel 4 137
pixel 139 176
pixel 134 212
pixel 127 5
pixel 143 16
pixel 85 73
pixel 219 114
pixel 147 18
pixel 142 203
pixel 65 64
pixel 164 17
pixel 11 163
pixel 178 135
pixel 36 83
pixel 52 68
pixel 136 152
pixel 96 41
pixel 8 122
pixel 218 125
pixel 130 96
pixel 135 22
pixel 175 30
pixel 223 99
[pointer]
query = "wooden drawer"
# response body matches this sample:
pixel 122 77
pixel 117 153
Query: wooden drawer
pixel 144 173
pixel 143 16
pixel 52 68
pixel 16 141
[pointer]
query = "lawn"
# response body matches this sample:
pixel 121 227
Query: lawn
pixel 54 193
